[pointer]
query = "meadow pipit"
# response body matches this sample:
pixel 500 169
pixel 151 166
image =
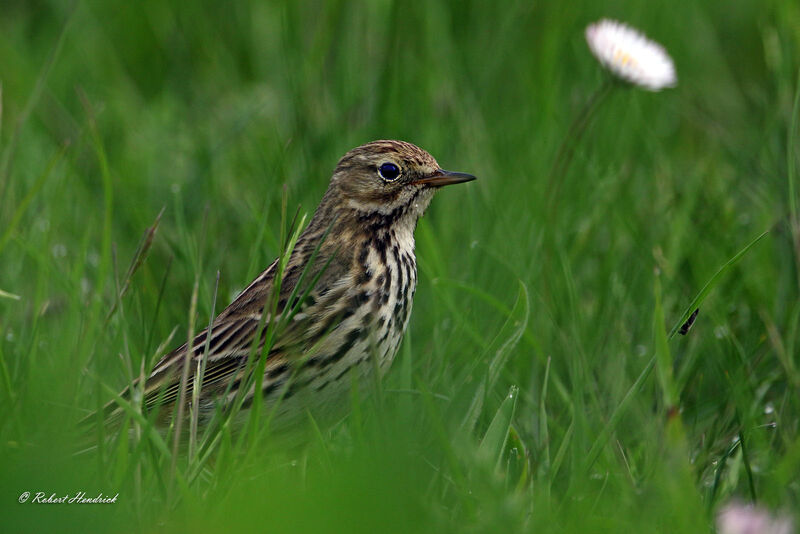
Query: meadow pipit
pixel 342 305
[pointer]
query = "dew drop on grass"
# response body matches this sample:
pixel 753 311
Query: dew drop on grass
pixel 769 408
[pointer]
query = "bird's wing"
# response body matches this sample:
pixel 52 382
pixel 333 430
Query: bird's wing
pixel 298 325
pixel 228 352
pixel 233 331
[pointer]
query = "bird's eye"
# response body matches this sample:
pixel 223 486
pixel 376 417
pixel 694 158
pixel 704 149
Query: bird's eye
pixel 389 171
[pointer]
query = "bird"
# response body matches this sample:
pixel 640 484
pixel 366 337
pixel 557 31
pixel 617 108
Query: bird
pixel 333 314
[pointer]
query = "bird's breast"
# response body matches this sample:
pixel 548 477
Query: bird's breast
pixel 374 307
pixel 362 318
pixel 387 266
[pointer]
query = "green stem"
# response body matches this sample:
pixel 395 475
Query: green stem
pixel 577 128
pixel 791 162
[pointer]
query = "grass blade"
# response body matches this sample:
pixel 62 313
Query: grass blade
pixel 636 387
pixel 496 435
pixel 33 99
pixel 197 383
pixel 29 196
pixel 712 282
pixel 791 167
pixel 663 354
pixel 516 323
pixel 7 295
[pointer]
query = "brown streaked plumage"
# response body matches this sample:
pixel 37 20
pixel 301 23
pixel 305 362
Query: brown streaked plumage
pixel 358 309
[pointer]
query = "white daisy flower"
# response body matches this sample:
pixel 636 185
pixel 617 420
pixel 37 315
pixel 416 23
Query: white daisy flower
pixel 630 55
pixel 737 518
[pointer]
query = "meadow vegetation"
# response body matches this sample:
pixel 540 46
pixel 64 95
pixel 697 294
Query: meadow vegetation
pixel 542 385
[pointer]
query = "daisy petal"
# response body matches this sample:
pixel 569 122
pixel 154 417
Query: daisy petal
pixel 631 56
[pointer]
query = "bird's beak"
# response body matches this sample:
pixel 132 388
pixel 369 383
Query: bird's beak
pixel 441 178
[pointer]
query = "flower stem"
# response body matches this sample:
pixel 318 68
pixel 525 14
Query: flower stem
pixel 566 150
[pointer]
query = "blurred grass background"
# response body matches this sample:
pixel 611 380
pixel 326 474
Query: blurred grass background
pixel 113 111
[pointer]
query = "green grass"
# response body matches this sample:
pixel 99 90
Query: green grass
pixel 541 386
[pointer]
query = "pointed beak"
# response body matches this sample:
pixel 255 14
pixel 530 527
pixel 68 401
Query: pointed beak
pixel 441 178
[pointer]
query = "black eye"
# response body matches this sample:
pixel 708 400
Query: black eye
pixel 389 171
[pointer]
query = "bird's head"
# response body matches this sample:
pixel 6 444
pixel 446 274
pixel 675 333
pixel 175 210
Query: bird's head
pixel 390 177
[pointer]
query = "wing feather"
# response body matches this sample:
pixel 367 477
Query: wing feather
pixel 232 333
